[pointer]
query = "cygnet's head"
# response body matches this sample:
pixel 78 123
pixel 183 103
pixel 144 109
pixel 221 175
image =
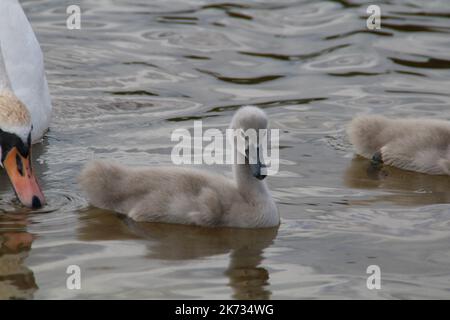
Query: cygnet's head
pixel 15 149
pixel 253 119
pixel 249 117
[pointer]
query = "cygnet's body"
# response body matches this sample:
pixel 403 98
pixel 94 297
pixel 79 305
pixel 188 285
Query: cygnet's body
pixel 184 195
pixel 421 145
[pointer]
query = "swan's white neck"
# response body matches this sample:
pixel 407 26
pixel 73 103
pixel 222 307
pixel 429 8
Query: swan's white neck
pixel 5 84
pixel 22 56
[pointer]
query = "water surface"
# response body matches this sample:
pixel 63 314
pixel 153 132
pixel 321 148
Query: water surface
pixel 139 69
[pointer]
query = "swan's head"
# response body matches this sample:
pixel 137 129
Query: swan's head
pixel 249 120
pixel 15 150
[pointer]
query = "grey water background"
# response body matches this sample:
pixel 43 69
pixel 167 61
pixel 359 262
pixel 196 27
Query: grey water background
pixel 139 69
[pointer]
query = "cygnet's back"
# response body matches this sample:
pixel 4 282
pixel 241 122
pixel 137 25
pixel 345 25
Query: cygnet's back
pixel 421 145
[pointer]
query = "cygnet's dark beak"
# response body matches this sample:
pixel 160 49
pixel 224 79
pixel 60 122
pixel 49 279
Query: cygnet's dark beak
pixel 257 167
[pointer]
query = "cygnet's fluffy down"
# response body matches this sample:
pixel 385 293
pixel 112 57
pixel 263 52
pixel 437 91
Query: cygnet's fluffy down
pixel 185 195
pixel 421 145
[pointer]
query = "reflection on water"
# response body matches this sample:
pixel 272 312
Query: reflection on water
pixel 247 278
pixel 402 187
pixel 139 69
pixel 16 279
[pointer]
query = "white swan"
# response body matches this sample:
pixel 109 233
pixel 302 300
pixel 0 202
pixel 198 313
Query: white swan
pixel 25 105
pixel 421 145
pixel 184 195
pixel 24 62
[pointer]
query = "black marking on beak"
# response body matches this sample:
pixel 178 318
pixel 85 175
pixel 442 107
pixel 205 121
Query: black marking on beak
pixel 10 140
pixel 19 164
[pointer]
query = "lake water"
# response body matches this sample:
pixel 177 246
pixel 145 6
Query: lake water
pixel 139 69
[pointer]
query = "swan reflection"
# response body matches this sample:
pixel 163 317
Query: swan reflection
pixel 16 279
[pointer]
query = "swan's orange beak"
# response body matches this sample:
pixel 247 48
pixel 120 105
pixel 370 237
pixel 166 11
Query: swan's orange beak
pixel 21 176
